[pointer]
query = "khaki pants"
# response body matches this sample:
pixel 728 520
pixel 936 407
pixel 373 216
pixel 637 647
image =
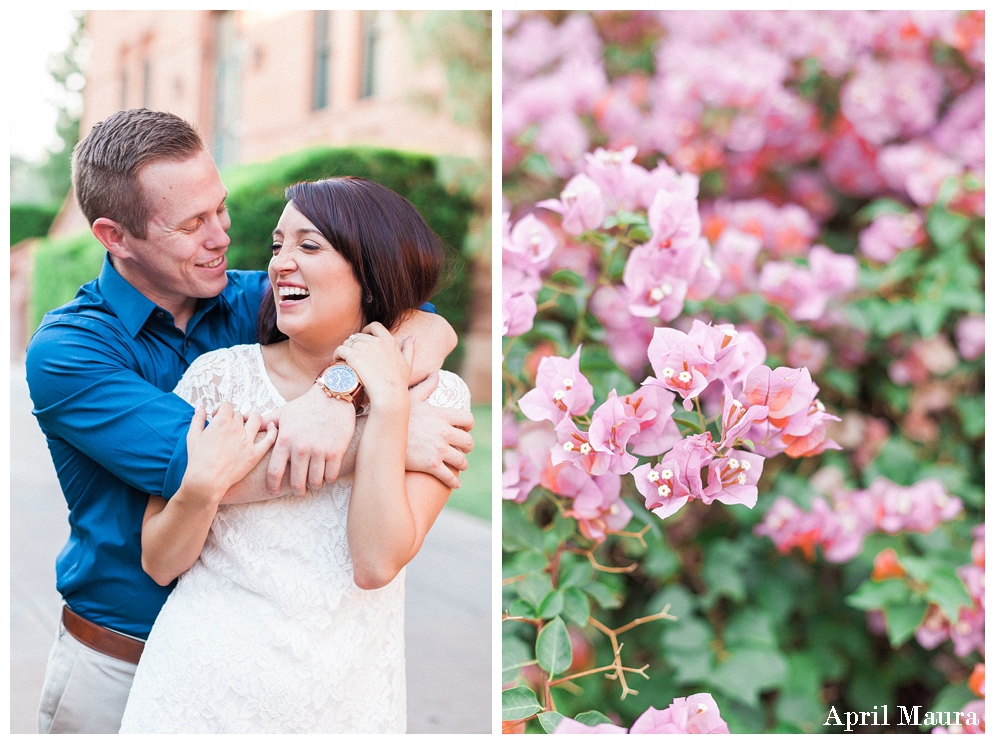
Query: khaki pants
pixel 85 691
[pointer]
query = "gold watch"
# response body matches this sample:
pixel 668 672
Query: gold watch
pixel 340 381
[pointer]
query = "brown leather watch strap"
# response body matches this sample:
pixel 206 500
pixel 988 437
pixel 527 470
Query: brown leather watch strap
pixel 106 641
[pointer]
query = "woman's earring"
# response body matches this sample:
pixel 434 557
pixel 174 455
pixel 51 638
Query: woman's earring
pixel 369 297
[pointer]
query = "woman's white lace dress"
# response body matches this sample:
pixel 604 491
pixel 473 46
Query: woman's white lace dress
pixel 267 632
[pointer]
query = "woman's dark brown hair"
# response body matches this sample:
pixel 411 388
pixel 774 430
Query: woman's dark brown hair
pixel 394 255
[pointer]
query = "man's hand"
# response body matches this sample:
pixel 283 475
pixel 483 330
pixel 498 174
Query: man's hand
pixel 314 433
pixel 437 436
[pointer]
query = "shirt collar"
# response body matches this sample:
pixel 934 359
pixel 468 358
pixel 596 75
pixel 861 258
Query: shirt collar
pixel 133 308
pixel 130 306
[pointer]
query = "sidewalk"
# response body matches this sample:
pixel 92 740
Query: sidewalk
pixel 448 612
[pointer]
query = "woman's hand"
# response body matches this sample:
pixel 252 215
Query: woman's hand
pixel 383 367
pixel 224 452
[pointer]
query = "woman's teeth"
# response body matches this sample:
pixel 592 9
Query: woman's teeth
pixel 294 292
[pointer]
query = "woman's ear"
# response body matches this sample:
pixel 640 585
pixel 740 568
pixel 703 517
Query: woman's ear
pixel 112 236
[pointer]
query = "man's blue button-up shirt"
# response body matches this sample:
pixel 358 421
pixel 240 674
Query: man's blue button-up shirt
pixel 101 370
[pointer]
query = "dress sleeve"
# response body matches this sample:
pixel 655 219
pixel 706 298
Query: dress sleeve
pixel 451 392
pixel 87 392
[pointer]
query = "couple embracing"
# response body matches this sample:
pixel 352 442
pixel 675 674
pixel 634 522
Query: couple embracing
pixel 248 435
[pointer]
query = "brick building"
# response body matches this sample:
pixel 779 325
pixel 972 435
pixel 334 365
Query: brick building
pixel 260 83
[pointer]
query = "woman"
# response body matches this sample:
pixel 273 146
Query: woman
pixel 291 619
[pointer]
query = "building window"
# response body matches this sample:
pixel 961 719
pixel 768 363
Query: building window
pixel 371 53
pixel 322 58
pixel 226 89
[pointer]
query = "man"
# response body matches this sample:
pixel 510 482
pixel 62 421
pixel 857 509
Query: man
pixel 101 369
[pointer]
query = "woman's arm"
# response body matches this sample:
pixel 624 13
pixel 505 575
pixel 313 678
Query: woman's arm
pixel 390 510
pixel 174 531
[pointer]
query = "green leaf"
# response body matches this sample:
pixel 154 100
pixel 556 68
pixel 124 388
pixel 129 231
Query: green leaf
pixel 598 366
pixel 691 664
pixel 971 410
pixel 845 382
pixel 576 607
pixel 873 595
pixel 533 589
pixel 749 627
pixel 723 569
pixel 552 605
pixel 897 461
pixel 903 619
pixel 752 306
pixel 930 317
pixel 603 596
pixel 579 574
pixel 948 592
pixel 681 602
pixel 570 278
pixel 689 420
pixel 894 317
pixel 659 561
pixel 521 608
pixel 551 331
pixel 553 647
pixel 747 671
pixel 563 528
pixel 592 718
pixel 549 720
pixel 537 164
pixel 515 653
pixel 878 207
pixel 518 703
pixel 944 227
pixel 691 633
pixel 518 533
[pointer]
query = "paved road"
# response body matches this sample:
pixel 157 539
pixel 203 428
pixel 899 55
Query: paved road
pixel 448 630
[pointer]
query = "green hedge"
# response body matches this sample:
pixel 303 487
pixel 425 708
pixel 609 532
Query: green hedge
pixel 255 201
pixel 30 221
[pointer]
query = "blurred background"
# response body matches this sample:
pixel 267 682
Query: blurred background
pixel 401 97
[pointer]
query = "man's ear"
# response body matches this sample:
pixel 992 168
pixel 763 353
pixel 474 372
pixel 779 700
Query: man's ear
pixel 112 236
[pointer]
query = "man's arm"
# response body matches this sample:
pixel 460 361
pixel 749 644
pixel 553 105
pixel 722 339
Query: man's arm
pixel 436 340
pixel 86 391
pixel 315 430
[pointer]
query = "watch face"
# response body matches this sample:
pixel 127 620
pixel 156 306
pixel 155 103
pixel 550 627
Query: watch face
pixel 340 379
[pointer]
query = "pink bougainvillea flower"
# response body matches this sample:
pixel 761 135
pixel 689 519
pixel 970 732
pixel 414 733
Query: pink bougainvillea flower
pixel 520 476
pixel 599 508
pixel 673 216
pixel 627 336
pixel 581 203
pixel 736 254
pixel 610 430
pixel 785 391
pixel 737 419
pixel 889 234
pixel 653 408
pixel 968 633
pixel 661 487
pixel 530 243
pixel 575 447
pixel 596 502
pixel 617 176
pixel 970 333
pixel 561 390
pixel 695 714
pixel 732 479
pixel 656 280
pixel 680 364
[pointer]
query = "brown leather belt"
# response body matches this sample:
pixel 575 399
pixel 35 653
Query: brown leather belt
pixel 106 641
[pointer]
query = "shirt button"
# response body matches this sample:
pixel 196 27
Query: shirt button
pixel 160 314
pixel 188 342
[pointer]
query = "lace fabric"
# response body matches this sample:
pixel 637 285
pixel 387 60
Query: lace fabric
pixel 267 633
